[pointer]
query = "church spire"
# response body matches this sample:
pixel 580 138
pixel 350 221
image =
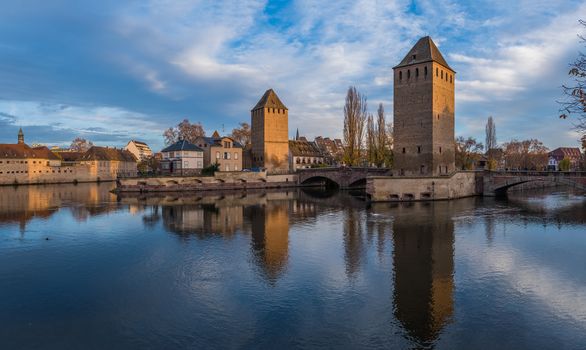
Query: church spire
pixel 297 135
pixel 20 137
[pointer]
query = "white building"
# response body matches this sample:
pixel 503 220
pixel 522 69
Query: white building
pixel 139 149
pixel 182 158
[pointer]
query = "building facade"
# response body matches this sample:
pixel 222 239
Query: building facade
pixel 424 104
pixel 140 150
pixel 332 149
pixel 106 163
pixel 304 154
pixel 22 164
pixel 223 151
pixel 270 133
pixel 573 155
pixel 182 158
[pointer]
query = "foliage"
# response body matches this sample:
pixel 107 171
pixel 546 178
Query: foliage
pixel 575 93
pixel 150 164
pixel 210 169
pixel 468 152
pixel 184 130
pixel 354 121
pixel 80 144
pixel 242 134
pixel 564 164
pixel 379 139
pixel 525 155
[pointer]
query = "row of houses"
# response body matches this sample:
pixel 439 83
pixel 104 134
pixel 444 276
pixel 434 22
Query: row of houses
pixel 23 164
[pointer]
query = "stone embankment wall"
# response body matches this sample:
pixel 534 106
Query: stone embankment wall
pixel 220 181
pixel 393 188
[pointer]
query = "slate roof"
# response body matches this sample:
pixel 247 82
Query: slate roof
pixel 217 141
pixel 70 156
pixel 269 100
pixel 24 151
pixel 304 148
pixel 106 153
pixel 182 145
pixel 424 51
pixel 566 152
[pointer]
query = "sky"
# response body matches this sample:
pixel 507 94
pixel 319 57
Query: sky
pixel 112 71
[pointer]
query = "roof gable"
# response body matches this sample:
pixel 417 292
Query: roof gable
pixel 424 50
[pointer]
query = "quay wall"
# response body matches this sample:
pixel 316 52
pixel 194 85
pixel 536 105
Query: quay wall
pixel 398 189
pixel 220 181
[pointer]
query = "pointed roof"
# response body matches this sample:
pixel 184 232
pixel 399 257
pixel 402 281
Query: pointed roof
pixel 20 133
pixel 424 51
pixel 215 134
pixel 269 100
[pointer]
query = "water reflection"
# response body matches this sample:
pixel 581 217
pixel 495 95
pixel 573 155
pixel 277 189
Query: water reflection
pixel 423 260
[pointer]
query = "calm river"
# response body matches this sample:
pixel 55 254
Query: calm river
pixel 83 269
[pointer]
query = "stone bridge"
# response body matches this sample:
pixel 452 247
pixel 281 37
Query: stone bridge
pixel 342 177
pixel 497 183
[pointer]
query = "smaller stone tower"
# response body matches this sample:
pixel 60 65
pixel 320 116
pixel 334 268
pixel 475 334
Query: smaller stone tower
pixel 270 133
pixel 20 137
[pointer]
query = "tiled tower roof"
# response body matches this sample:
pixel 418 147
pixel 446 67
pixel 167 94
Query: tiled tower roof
pixel 269 100
pixel 424 51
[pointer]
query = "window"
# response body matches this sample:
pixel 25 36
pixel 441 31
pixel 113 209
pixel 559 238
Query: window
pixel 185 165
pixel 416 72
pixel 217 155
pixel 414 56
pixel 400 75
pixel 403 149
pixel 437 72
pixel 235 167
pixel 442 75
pixel 425 71
pixel 440 149
pixel 236 155
pixel 418 149
pixel 438 117
pixel 227 167
pixel 450 79
pixel 226 144
pixel 408 74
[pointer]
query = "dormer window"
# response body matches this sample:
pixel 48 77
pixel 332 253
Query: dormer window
pixel 414 56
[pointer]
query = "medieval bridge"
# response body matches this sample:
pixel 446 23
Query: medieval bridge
pixel 343 177
pixel 497 183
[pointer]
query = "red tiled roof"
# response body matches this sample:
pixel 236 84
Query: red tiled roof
pixel 105 153
pixel 23 151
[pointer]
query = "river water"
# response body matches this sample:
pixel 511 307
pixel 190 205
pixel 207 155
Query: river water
pixel 81 268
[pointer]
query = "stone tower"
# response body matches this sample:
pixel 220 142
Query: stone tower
pixel 270 133
pixel 20 137
pixel 424 112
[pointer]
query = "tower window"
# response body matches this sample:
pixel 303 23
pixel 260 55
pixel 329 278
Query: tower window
pixel 416 72
pixel 437 72
pixel 440 149
pixel 442 74
pixel 418 149
pixel 438 117
pixel 414 56
pixel 403 149
pixel 425 71
pixel 408 73
pixel 400 75
pixel 450 79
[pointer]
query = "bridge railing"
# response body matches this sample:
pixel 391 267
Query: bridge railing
pixel 537 173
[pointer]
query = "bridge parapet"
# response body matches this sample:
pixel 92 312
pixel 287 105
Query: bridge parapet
pixel 498 182
pixel 344 177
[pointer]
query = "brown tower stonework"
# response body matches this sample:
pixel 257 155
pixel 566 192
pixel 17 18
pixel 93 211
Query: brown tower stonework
pixel 270 133
pixel 424 112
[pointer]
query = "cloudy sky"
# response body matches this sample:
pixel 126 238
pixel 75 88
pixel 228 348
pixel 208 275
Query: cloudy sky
pixel 111 71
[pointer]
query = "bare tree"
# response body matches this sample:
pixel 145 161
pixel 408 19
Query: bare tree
pixel 371 141
pixel 468 151
pixel 575 93
pixel 381 137
pixel 490 129
pixel 242 135
pixel 184 130
pixel 80 144
pixel 525 155
pixel 354 120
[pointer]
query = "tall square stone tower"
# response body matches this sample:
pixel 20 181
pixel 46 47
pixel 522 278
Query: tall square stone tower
pixel 270 133
pixel 424 112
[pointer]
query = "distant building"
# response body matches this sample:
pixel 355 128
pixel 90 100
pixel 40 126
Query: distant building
pixel 270 133
pixel 332 150
pixel 182 158
pixel 424 112
pixel 107 163
pixel 573 154
pixel 140 150
pixel 223 151
pixel 22 164
pixel 304 154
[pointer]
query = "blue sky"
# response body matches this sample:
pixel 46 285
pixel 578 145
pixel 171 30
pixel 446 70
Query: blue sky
pixel 111 71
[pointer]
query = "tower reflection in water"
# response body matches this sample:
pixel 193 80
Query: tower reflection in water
pixel 423 269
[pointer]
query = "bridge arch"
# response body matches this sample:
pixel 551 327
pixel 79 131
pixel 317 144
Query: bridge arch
pixel 499 184
pixel 320 180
